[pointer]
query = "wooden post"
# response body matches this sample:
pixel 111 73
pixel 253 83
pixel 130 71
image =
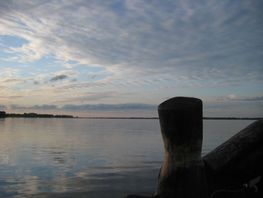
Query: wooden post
pixel 182 174
pixel 238 160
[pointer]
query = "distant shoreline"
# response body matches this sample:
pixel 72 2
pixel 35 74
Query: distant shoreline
pixel 3 114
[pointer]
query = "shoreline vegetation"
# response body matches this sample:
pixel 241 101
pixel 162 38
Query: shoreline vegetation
pixel 3 114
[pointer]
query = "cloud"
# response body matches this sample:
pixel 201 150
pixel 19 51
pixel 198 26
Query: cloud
pixel 63 75
pixel 2 87
pixel 233 108
pixel 44 107
pixel 90 96
pixel 17 107
pixel 240 107
pixel 123 51
pixel 110 107
pixel 9 73
pixel 11 97
pixel 248 99
pixel 234 105
pixel 13 80
pixel 255 98
pixel 88 107
pixel 58 78
pixel 235 98
pixel 2 107
pixel 209 40
pixel 34 107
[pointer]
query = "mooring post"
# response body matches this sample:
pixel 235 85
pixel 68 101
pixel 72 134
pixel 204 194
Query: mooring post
pixel 182 174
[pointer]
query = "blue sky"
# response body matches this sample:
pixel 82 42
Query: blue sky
pixel 124 57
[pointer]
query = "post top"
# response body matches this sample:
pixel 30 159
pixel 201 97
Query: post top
pixel 180 103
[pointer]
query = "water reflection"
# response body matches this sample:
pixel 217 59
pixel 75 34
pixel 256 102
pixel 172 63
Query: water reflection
pixel 106 184
pixel 43 156
pixel 86 158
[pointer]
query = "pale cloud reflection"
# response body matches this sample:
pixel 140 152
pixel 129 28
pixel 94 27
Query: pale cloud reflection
pixel 55 157
pixel 4 159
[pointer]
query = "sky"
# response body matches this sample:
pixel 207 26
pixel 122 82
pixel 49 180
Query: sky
pixel 124 57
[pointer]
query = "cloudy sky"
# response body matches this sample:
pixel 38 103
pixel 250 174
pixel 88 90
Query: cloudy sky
pixel 124 57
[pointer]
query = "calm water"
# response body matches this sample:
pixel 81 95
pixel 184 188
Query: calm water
pixel 87 158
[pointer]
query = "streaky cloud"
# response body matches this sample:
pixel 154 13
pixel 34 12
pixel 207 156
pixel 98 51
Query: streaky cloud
pixel 180 37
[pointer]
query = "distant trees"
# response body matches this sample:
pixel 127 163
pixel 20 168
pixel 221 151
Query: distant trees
pixel 2 114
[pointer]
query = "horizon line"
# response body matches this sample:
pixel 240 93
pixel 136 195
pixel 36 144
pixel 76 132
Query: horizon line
pixel 156 118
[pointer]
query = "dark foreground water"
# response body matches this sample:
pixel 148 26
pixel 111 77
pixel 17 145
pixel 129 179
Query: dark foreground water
pixel 87 158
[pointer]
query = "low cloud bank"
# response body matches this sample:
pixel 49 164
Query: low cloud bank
pixel 228 106
pixel 89 107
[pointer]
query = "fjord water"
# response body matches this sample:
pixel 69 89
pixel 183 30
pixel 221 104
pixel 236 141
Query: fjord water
pixel 88 157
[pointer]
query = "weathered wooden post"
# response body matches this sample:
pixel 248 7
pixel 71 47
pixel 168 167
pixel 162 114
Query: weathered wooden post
pixel 182 174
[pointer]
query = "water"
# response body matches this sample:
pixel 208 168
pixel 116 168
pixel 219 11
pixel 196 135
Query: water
pixel 87 158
